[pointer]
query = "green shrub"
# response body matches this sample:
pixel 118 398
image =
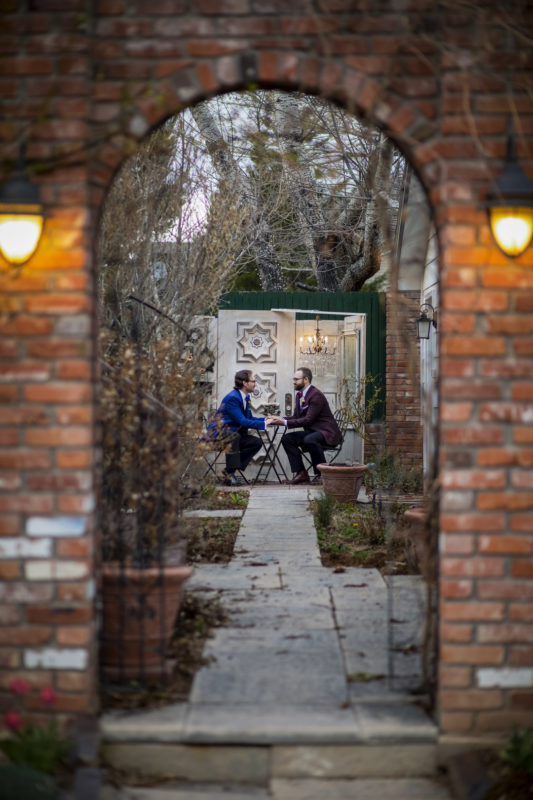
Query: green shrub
pixel 390 474
pixel 518 753
pixel 325 503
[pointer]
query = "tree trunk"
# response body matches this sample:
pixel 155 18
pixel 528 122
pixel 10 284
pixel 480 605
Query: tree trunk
pixel 377 223
pixel 235 184
pixel 302 190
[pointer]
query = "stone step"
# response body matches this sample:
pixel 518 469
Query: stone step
pixel 278 789
pixel 257 765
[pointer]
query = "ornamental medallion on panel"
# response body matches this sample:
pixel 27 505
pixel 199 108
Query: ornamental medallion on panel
pixel 257 342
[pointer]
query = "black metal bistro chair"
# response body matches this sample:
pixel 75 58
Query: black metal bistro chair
pixel 330 453
pixel 216 448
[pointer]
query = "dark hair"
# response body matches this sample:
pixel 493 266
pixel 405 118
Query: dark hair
pixel 306 373
pixel 241 376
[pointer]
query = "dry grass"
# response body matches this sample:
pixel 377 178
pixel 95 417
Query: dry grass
pixel 358 536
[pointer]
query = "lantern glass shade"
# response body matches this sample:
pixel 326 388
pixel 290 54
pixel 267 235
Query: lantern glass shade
pixel 510 206
pixel 423 326
pixel 512 228
pixel 20 231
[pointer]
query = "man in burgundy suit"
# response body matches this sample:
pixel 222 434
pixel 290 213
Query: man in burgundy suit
pixel 313 414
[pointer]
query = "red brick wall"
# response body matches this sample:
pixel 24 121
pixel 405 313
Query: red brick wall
pixel 82 83
pixel 403 427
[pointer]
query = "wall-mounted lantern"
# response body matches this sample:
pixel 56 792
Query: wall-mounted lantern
pixel 510 206
pixel 21 216
pixel 427 318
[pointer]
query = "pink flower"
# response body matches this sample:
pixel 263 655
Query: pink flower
pixel 13 720
pixel 19 686
pixel 48 695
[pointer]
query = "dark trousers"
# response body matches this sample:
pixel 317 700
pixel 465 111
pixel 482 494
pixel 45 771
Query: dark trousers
pixel 242 448
pixel 312 441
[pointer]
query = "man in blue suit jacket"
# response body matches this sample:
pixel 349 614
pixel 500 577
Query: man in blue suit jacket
pixel 232 420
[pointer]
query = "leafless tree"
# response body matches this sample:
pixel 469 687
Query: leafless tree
pixel 321 191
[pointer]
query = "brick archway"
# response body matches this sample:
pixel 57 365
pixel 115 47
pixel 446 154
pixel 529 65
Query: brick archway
pixel 83 91
pixel 360 94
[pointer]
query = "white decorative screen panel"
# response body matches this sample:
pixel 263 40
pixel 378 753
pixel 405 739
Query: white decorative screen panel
pixel 257 342
pixel 265 392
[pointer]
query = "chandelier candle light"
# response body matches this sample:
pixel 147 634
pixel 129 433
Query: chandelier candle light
pixel 317 344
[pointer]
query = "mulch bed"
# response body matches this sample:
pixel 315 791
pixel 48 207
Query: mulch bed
pixel 211 540
pixel 361 536
pixel 483 775
pixel 197 618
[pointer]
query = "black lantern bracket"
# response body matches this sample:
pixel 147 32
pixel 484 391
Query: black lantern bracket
pixel 427 318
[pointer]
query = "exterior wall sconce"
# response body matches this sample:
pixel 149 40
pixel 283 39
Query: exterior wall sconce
pixel 21 216
pixel 427 318
pixel 510 207
pixel 317 344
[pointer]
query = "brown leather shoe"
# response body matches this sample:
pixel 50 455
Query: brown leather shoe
pixel 300 477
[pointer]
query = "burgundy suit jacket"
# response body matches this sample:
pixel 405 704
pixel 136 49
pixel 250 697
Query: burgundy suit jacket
pixel 316 415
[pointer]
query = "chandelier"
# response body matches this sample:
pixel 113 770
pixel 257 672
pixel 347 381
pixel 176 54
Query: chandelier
pixel 317 345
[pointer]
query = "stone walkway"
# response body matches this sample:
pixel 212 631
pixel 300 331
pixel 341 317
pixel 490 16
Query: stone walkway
pixel 307 681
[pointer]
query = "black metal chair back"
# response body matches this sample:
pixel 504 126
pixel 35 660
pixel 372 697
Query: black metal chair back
pixel 216 448
pixel 342 419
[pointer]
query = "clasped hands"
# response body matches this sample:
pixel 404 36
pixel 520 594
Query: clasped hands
pixel 273 420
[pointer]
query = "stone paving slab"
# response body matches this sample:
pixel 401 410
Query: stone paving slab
pixel 393 722
pixel 353 761
pixel 179 792
pixel 362 789
pixel 279 789
pixel 243 680
pixel 210 514
pixel 370 637
pixel 370 658
pixel 287 562
pixel 299 537
pixel 280 620
pixel 359 596
pixel 166 724
pixel 265 642
pixel 250 764
pixel 267 724
pixel 236 578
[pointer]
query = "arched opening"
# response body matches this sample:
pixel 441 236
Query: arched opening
pixel 80 91
pixel 153 320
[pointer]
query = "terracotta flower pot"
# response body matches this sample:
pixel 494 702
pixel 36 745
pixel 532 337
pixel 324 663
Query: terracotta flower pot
pixel 140 607
pixel 342 481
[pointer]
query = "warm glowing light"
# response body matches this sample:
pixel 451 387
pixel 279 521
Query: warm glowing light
pixel 19 235
pixel 317 345
pixel 512 228
pixel 510 206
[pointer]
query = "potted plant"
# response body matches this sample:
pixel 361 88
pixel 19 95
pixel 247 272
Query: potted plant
pixel 160 273
pixel 148 445
pixel 344 480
